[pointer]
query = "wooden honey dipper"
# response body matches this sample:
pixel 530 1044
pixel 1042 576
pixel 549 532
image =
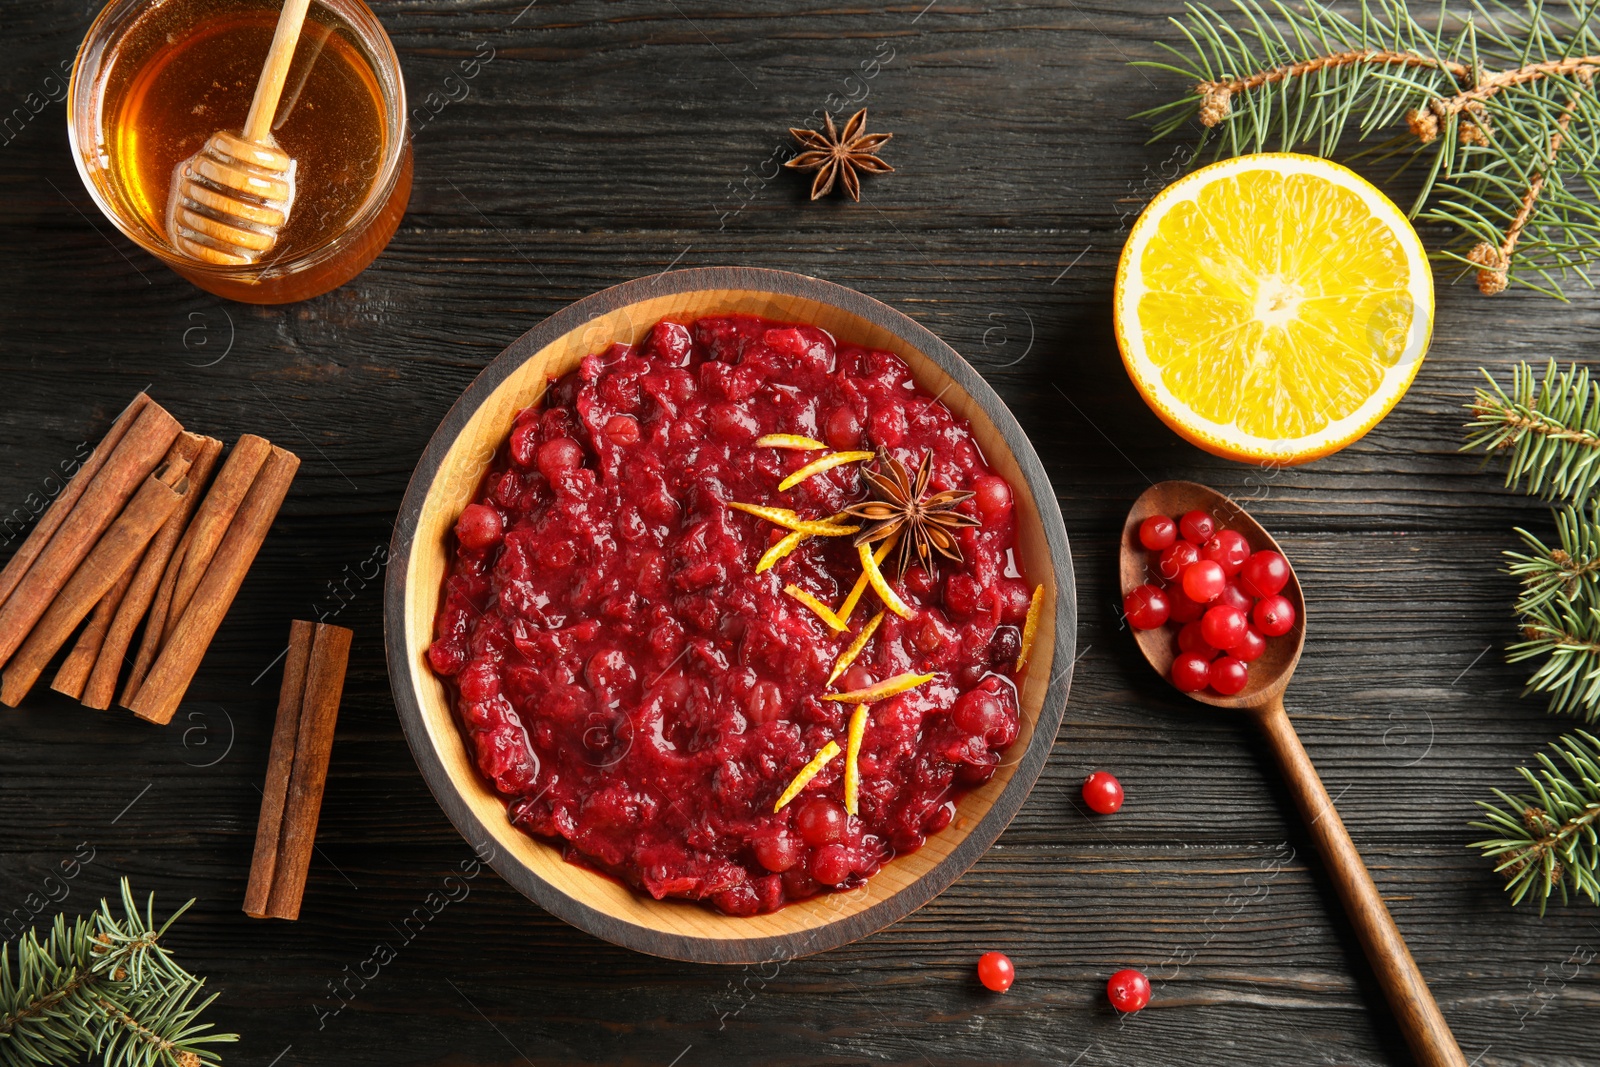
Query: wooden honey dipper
pixel 230 200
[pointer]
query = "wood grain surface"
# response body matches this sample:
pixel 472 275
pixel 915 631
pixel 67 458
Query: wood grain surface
pixel 603 140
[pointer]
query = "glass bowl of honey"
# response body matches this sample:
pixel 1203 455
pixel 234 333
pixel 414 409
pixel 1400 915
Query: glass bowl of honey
pixel 156 78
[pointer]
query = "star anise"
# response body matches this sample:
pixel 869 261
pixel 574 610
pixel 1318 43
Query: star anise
pixel 834 155
pixel 925 522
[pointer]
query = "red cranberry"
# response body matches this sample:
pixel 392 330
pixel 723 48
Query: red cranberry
pixel 1146 607
pixel 479 682
pixel 559 455
pixel 889 425
pixel 1004 647
pixel 525 443
pixel 671 342
pixel 1191 673
pixel 778 849
pixel 1197 526
pixel 1264 574
pixel 830 864
pixel 1274 616
pixel 993 497
pixel 1251 646
pixel 1235 597
pixel 479 527
pixel 1229 549
pixel 843 429
pixel 1182 609
pixel 1128 990
pixel 734 423
pixel 1191 639
pixel 1103 793
pixel 1203 581
pixel 1158 532
pixel 979 713
pixel 822 822
pixel 764 703
pixel 996 972
pixel 623 430
pixel 1175 558
pixel 1223 626
pixel 1229 675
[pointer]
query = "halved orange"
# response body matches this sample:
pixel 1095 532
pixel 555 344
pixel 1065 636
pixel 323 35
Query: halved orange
pixel 1274 307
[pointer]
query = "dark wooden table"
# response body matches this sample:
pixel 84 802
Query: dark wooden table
pixel 608 140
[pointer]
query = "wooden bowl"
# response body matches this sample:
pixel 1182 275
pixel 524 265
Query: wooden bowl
pixel 446 479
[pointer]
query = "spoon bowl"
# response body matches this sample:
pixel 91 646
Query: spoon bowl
pixel 1269 675
pixel 1424 1026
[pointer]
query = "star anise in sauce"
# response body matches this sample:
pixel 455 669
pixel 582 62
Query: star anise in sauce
pixel 927 523
pixel 839 156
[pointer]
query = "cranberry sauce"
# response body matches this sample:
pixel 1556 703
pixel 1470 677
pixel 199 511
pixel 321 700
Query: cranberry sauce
pixel 633 687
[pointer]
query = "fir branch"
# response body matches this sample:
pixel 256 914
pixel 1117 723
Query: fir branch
pixel 1493 99
pixel 1568 636
pixel 1546 841
pixel 1570 573
pixel 103 986
pixel 1551 429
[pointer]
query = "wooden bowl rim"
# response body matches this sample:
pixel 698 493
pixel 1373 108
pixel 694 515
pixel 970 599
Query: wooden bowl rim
pixel 975 841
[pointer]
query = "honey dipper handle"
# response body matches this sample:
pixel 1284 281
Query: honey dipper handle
pixel 258 127
pixel 1424 1027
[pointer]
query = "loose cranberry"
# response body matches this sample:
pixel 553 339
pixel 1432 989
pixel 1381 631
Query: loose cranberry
pixel 1223 626
pixel 1128 990
pixel 993 497
pixel 1191 673
pixel 1251 646
pixel 1158 532
pixel 822 822
pixel 1203 581
pixel 1103 793
pixel 1175 557
pixel 623 430
pixel 1264 574
pixel 1235 597
pixel 1182 608
pixel 830 864
pixel 1146 607
pixel 1192 639
pixel 479 527
pixel 1197 526
pixel 1229 675
pixel 1228 549
pixel 778 850
pixel 1274 616
pixel 559 455
pixel 843 429
pixel 996 972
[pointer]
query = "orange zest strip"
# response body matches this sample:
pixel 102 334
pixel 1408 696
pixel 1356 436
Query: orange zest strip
pixel 860 587
pixel 848 656
pixel 781 549
pixel 790 521
pixel 852 769
pixel 790 440
pixel 1030 628
pixel 817 466
pixel 808 772
pixel 879 691
pixel 824 612
pixel 880 584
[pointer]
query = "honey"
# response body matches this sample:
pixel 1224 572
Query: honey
pixel 176 71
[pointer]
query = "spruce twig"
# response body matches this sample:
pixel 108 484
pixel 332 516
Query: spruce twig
pixel 1546 840
pixel 1570 572
pixel 1551 428
pixel 103 986
pixel 1498 104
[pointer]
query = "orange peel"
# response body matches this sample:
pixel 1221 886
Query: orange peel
pixel 807 773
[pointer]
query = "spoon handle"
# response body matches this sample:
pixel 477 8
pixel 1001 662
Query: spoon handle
pixel 1424 1027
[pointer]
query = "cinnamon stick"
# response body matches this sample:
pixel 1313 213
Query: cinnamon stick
pixel 298 770
pixel 280 762
pixel 73 675
pixel 128 466
pixel 158 696
pixel 110 558
pixel 194 552
pixel 101 686
pixel 57 512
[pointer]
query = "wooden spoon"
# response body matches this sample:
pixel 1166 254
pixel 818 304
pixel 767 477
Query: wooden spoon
pixel 1420 1021
pixel 231 200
